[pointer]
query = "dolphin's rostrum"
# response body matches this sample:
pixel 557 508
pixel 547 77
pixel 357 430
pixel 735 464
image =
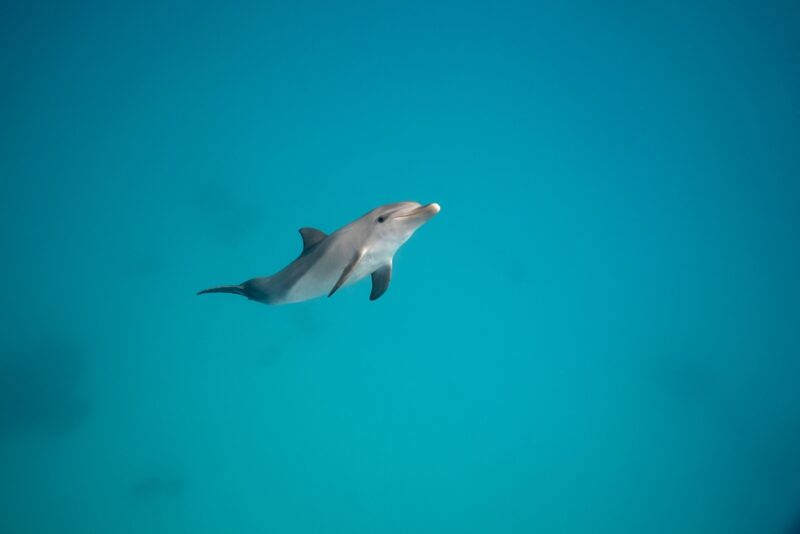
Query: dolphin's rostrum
pixel 364 247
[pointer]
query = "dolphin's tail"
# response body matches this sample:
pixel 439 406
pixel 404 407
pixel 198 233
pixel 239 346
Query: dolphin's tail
pixel 236 290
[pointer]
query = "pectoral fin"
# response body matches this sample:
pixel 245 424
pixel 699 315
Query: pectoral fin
pixel 347 270
pixel 380 281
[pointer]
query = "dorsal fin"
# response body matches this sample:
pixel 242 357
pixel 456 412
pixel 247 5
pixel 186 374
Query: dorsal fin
pixel 311 236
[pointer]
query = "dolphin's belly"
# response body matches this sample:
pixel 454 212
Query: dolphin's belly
pixel 320 279
pixel 314 275
pixel 314 283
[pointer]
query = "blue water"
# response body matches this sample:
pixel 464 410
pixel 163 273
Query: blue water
pixel 598 333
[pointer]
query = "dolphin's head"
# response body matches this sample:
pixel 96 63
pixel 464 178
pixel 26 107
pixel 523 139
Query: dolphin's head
pixel 393 224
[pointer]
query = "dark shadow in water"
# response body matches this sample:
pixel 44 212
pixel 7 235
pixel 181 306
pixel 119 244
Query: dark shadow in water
pixel 40 391
pixel 140 264
pixel 307 322
pixel 271 355
pixel 691 382
pixel 698 390
pixel 156 487
pixel 780 459
pixel 226 216
pixel 794 526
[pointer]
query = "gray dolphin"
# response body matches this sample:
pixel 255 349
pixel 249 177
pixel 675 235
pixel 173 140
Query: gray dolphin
pixel 328 262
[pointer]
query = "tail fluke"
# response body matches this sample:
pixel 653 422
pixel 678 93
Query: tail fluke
pixel 236 290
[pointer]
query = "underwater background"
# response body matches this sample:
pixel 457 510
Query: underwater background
pixel 598 333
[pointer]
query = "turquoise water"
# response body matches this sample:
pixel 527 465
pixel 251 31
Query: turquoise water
pixel 598 333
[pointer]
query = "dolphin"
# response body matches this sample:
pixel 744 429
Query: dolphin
pixel 327 263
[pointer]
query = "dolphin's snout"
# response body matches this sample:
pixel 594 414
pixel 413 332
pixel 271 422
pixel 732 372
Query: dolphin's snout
pixel 421 212
pixel 427 212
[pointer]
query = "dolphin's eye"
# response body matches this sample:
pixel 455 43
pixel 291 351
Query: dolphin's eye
pixel 381 219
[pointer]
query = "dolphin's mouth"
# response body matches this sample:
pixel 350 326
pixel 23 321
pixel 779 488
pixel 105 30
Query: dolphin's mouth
pixel 426 212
